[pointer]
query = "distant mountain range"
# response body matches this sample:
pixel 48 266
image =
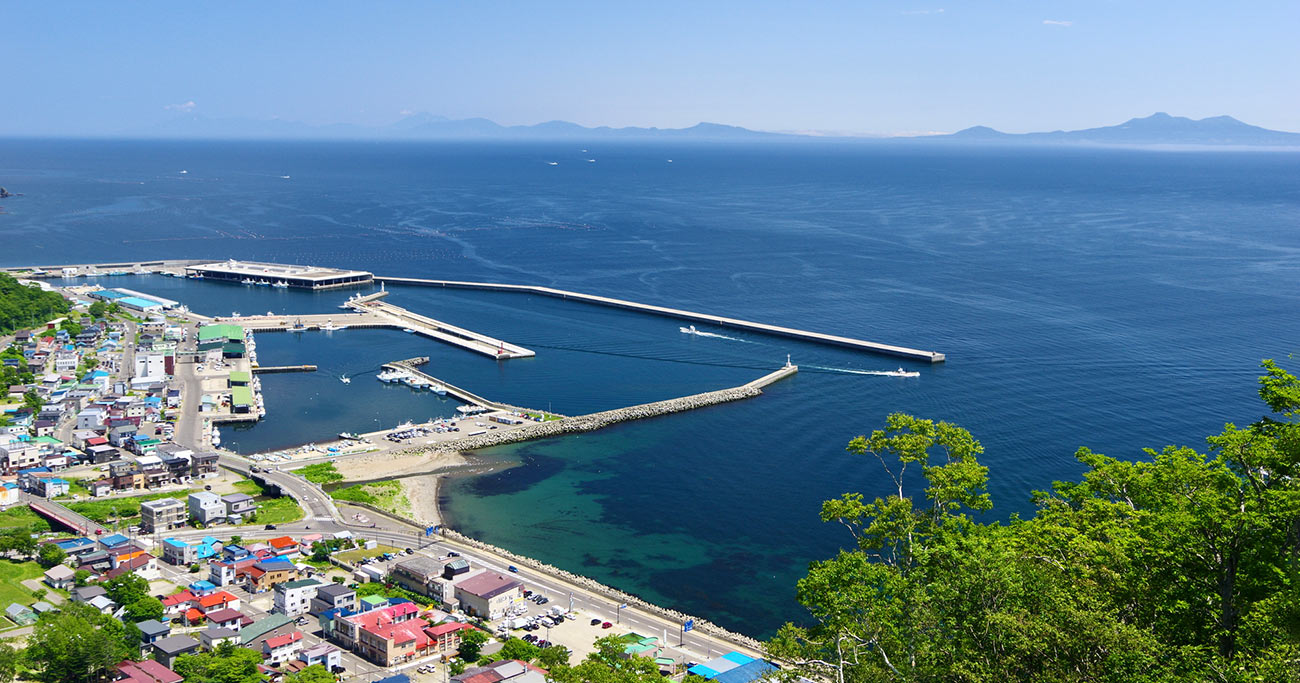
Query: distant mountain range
pixel 1157 129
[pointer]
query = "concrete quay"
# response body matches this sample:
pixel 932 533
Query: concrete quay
pixel 445 332
pixel 805 335
pixel 452 390
pixel 271 369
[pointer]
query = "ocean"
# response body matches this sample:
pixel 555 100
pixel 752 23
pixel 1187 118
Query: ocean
pixel 1115 299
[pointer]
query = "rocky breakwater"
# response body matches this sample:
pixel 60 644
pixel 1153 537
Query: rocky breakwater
pixel 590 422
pixel 613 594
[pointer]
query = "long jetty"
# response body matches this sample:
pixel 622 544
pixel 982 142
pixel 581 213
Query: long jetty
pixel 464 395
pixel 593 421
pixel 692 316
pixel 269 369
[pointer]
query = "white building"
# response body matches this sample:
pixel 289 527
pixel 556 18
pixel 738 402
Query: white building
pixel 91 418
pixel 294 597
pixel 150 367
pixel 206 507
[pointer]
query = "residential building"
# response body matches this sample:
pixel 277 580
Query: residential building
pixel 323 654
pixel 293 598
pixel 268 627
pixel 179 552
pixel 489 594
pixel 333 596
pixel 59 576
pixel 512 670
pixel 265 574
pixel 163 514
pixel 284 546
pixel 206 507
pixel 418 574
pixel 217 601
pixel 152 630
pixel 212 637
pixel 145 671
pixel 280 649
pixel 226 618
pixel 87 593
pixel 238 504
pixel 166 650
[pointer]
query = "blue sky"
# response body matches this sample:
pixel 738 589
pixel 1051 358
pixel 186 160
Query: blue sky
pixel 876 67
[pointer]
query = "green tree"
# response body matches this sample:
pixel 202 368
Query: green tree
pixel 226 664
pixel 471 643
pixel 127 589
pixel 33 401
pixel 147 607
pixel 607 664
pixel 81 577
pixel 456 667
pixel 553 656
pixel 18 540
pixel 98 309
pixel 10 661
pixel 49 555
pixel 1180 566
pixel 75 645
pixel 315 673
pixel 517 648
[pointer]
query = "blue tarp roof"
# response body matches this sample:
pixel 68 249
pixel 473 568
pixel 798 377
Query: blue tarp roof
pixel 115 539
pixel 745 673
pixel 715 668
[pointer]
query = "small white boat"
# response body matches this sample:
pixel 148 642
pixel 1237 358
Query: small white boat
pixel 216 437
pixel 552 163
pixel 408 330
pixel 438 389
pixel 329 326
pixel 248 281
pixel 345 379
pixel 284 177
pixel 349 435
pixel 183 172
pixel 280 284
pixel 234 314
pixel 901 373
pixel 389 376
pixel 689 330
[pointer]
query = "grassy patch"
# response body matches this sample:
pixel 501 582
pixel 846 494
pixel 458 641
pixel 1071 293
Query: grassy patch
pixel 123 512
pixel 248 486
pixel 280 510
pixel 352 556
pixel 22 516
pixel 11 576
pixel 320 473
pixel 386 495
pixel 546 417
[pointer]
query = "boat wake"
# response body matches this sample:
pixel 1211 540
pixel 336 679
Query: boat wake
pixel 878 373
pixel 714 335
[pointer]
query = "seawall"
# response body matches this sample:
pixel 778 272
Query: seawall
pixel 691 316
pixel 594 421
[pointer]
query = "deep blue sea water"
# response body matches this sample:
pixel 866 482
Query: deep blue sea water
pixel 1109 298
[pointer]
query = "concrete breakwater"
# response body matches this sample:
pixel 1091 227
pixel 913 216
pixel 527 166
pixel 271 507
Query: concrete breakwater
pixel 594 421
pixel 613 594
pixel 692 316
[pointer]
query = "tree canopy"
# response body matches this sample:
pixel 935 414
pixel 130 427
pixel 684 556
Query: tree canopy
pixel 23 306
pixel 76 645
pixel 1182 565
pixel 226 664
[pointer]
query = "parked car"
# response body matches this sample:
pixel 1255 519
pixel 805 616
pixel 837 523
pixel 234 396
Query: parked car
pixel 607 625
pixel 595 622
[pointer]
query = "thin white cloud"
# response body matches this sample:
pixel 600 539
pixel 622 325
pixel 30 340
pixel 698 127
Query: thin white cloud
pixel 923 11
pixel 406 112
pixel 184 106
pixel 1057 22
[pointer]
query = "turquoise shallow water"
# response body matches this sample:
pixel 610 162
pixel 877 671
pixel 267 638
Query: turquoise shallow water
pixel 1115 299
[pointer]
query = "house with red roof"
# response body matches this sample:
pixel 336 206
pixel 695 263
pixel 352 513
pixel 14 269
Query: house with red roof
pixel 284 546
pixel 176 603
pixel 283 648
pixel 146 671
pixel 218 601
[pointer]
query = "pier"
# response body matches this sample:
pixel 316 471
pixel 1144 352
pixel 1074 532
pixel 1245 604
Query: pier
pixel 465 396
pixel 444 332
pixel 271 369
pixel 692 316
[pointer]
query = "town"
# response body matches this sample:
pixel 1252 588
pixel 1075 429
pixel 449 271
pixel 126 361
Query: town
pixel 118 504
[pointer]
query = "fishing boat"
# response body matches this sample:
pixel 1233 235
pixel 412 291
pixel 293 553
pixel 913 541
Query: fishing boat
pixel 345 379
pixel 216 437
pixel 281 284
pixel 298 327
pixel 408 330
pixel 329 326
pixel 349 435
pixel 689 330
pixel 234 314
pixel 900 373
pixel 389 376
pixel 195 276
pixel 438 389
pixel 248 281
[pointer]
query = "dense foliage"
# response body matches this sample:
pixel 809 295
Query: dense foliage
pixel 1181 566
pixel 77 645
pixel 23 306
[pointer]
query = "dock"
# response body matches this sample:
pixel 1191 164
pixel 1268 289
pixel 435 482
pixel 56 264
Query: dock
pixel 271 369
pixel 677 313
pixel 436 329
pixel 464 395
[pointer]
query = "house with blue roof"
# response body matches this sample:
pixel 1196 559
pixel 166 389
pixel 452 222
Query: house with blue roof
pixel 179 552
pixel 76 546
pixel 110 542
pixel 733 667
pixel 201 588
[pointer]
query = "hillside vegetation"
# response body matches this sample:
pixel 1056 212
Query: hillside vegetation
pixel 23 306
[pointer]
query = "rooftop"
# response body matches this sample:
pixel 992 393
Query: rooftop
pixel 274 271
pixel 488 584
